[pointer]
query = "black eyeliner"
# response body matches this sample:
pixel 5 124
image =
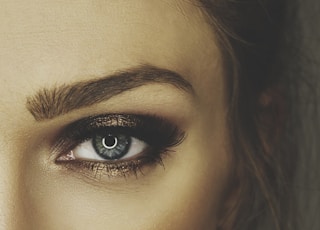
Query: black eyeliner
pixel 159 133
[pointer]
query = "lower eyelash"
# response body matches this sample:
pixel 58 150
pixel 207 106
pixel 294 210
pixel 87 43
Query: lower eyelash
pixel 98 169
pixel 159 133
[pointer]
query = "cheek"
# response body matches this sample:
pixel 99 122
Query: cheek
pixel 187 194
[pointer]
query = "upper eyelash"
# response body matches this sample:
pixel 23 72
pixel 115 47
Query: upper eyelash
pixel 140 126
pixel 157 132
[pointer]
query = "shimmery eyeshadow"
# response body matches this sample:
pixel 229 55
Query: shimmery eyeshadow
pixel 160 134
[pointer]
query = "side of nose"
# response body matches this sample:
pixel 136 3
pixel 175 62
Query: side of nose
pixel 11 201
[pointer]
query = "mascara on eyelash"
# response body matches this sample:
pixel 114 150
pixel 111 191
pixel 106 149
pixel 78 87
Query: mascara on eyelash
pixel 154 130
pixel 157 132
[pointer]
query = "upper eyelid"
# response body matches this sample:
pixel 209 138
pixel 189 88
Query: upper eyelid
pixel 76 130
pixel 120 121
pixel 95 122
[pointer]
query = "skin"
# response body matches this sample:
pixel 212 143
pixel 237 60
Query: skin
pixel 44 43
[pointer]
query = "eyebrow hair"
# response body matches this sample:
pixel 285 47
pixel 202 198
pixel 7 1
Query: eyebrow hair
pixel 50 103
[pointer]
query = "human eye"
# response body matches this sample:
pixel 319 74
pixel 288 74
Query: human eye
pixel 107 146
pixel 116 144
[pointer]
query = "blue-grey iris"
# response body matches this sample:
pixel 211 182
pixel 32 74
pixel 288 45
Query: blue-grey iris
pixel 111 147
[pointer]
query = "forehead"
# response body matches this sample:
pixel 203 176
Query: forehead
pixel 70 32
pixel 47 42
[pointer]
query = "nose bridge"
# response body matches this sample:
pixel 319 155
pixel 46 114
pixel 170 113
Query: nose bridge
pixel 14 143
pixel 10 201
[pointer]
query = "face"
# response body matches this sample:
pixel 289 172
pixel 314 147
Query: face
pixel 112 116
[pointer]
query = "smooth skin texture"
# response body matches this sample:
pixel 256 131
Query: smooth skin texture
pixel 46 43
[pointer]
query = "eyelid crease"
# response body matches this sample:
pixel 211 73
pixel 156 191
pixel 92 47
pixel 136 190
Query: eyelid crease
pixel 50 103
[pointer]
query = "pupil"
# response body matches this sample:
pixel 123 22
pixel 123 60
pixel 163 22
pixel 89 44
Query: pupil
pixel 109 142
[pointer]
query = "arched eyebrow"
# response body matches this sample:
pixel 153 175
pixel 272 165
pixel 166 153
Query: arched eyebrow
pixel 50 103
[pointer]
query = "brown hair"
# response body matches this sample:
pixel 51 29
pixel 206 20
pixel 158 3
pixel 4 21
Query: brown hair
pixel 251 33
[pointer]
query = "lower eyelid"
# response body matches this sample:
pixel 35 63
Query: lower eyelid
pixel 99 170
